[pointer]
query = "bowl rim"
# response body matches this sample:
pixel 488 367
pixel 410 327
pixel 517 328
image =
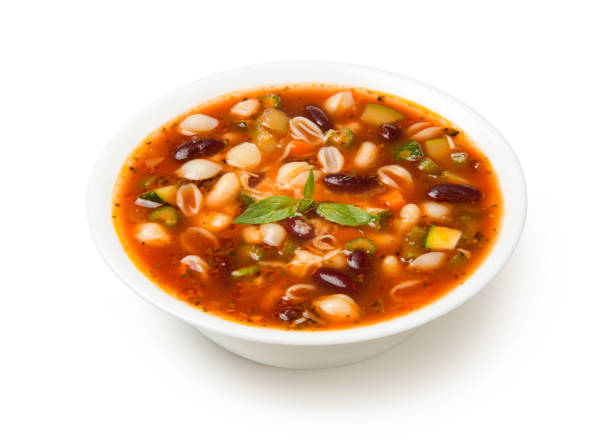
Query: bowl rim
pixel 105 171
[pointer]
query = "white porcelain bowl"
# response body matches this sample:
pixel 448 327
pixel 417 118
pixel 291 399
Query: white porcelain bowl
pixel 299 349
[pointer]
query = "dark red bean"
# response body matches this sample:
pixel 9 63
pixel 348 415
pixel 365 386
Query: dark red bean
pixel 454 193
pixel 335 279
pixel 198 148
pixel 358 261
pixel 389 132
pixel 255 179
pixel 319 116
pixel 299 228
pixel 339 182
pixel 289 314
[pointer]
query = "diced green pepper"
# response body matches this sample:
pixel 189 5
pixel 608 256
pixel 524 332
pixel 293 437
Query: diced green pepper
pixel 410 151
pixel 414 244
pixel 458 258
pixel 270 100
pixel 340 138
pixel 288 250
pixel 469 225
pixel 429 166
pixel 365 244
pixel 165 214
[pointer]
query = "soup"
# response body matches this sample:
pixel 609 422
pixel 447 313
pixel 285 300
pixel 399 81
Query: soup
pixel 307 207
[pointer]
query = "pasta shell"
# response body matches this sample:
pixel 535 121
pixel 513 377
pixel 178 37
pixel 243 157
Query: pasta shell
pixel 197 123
pixel 199 169
pixel 395 176
pixel 189 199
pixel 303 129
pixel 331 159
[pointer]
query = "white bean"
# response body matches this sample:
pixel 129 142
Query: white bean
pixel 152 234
pixel 197 123
pixel 410 213
pixel 367 156
pixel 338 307
pixel 245 108
pixel 199 169
pixel 244 156
pixel 252 235
pixel 273 234
pixel 225 190
pixel 391 266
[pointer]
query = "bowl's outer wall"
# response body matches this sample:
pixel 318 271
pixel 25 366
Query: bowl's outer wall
pixel 489 140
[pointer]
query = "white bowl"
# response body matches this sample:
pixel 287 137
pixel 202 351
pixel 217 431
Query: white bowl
pixel 298 349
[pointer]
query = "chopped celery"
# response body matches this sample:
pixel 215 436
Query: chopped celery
pixel 165 214
pixel 459 158
pixel 362 243
pixel 378 114
pixel 429 166
pixel 408 151
pixel 288 250
pixel 442 238
pixel 438 149
pixel 270 100
pixel 340 138
pixel 245 271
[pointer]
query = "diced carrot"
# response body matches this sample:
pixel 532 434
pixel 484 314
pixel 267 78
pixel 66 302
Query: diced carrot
pixel 392 199
pixel 301 149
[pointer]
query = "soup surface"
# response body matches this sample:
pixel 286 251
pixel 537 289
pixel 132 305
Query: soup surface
pixel 307 207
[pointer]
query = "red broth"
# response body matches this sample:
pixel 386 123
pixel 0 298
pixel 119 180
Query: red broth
pixel 422 204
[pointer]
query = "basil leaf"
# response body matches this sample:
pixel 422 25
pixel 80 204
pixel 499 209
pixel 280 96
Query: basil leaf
pixel 309 187
pixel 344 214
pixel 304 204
pixel 269 210
pixel 246 198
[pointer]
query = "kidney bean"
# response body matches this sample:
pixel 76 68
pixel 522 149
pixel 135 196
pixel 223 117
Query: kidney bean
pixel 335 279
pixel 454 193
pixel 289 314
pixel 299 228
pixel 255 179
pixel 389 132
pixel 204 147
pixel 358 261
pixel 339 182
pixel 319 116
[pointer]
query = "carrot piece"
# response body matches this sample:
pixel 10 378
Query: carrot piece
pixel 392 199
pixel 301 149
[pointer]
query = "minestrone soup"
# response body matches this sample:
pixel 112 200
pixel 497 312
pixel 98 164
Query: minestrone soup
pixel 307 207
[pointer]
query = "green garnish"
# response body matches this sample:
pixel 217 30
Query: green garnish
pixel 270 100
pixel 410 151
pixel 246 198
pixel 429 166
pixel 277 208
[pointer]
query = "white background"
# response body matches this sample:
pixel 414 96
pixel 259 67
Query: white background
pixel 84 359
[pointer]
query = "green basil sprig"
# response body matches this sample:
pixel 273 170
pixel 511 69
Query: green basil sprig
pixel 277 208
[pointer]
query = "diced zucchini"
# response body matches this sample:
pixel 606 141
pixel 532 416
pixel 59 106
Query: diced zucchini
pixel 378 114
pixel 275 120
pixel 459 158
pixel 166 194
pixel 469 225
pixel 165 214
pixel 450 177
pixel 270 100
pixel 442 238
pixel 362 243
pixel 408 151
pixel 245 271
pixel 339 138
pixel 429 166
pixel 264 139
pixel 414 244
pixel 288 250
pixel 438 149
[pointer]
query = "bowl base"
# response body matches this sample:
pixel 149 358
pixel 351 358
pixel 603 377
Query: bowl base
pixel 306 356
